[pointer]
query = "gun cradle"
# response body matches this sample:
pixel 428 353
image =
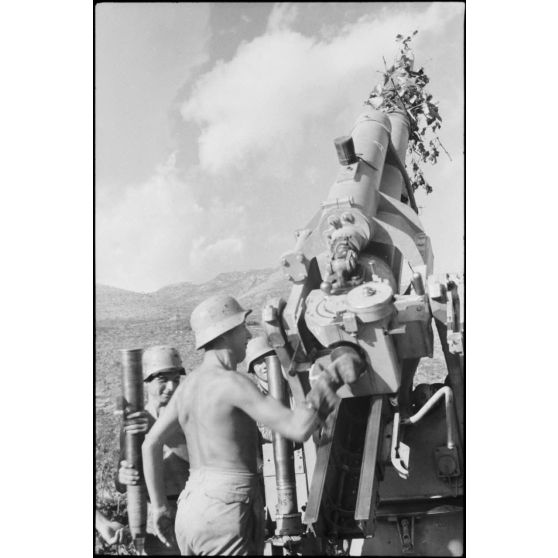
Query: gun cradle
pixel 387 329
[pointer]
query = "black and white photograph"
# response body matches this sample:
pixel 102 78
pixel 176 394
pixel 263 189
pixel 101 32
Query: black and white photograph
pixel 279 278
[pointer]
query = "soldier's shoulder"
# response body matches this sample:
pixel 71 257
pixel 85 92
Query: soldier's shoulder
pixel 229 379
pixel 186 384
pixel 242 382
pixel 245 378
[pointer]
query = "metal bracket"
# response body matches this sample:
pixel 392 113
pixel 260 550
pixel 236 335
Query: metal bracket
pixel 349 322
pixel 338 202
pixel 447 461
pixel 139 546
pixel 400 330
pixel 406 530
pixel 288 524
pixel 454 335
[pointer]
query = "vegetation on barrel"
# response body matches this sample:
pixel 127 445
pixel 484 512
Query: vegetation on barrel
pixel 404 88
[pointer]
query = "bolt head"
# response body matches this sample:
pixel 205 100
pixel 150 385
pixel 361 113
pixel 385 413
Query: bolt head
pixel 446 465
pixel 325 287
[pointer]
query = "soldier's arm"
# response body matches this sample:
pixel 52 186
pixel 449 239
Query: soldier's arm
pixel 295 424
pixel 120 487
pixel 166 426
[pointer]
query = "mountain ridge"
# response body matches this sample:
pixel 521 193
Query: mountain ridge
pixel 252 287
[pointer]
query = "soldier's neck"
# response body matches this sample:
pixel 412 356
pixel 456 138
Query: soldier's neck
pixel 222 357
pixel 153 409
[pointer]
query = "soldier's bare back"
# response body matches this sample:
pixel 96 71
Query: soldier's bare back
pixel 219 435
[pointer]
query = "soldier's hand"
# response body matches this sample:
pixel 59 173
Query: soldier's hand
pixel 163 522
pixel 346 366
pixel 136 423
pixel 114 532
pixel 322 397
pixel 127 474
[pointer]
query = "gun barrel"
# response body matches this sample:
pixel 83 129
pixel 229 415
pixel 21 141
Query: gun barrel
pixel 355 190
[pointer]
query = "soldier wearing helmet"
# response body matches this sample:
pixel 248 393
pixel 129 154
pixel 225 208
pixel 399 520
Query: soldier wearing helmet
pixel 258 348
pixel 256 351
pixel 221 510
pixel 162 370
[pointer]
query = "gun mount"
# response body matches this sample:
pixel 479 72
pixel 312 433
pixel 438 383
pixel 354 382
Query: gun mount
pixel 382 474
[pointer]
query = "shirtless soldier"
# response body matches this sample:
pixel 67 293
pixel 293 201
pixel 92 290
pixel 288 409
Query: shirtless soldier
pixel 221 511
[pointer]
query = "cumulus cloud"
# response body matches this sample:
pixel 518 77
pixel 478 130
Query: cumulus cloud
pixel 157 233
pixel 283 82
pixel 283 14
pixel 266 122
pixel 224 252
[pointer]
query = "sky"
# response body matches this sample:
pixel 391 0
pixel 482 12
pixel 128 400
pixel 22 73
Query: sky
pixel 215 124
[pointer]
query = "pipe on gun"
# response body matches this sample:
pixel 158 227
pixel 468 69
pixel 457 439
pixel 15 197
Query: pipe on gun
pixel 447 393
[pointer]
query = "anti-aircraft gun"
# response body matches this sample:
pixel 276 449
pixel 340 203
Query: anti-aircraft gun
pixel 385 473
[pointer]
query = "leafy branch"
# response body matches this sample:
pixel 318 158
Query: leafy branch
pixel 404 88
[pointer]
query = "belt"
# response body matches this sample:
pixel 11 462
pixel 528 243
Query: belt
pixel 172 498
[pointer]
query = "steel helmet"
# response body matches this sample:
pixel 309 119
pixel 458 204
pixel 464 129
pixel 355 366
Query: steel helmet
pixel 161 358
pixel 257 348
pixel 215 316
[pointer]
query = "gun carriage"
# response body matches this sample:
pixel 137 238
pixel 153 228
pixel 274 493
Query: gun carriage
pixel 385 473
